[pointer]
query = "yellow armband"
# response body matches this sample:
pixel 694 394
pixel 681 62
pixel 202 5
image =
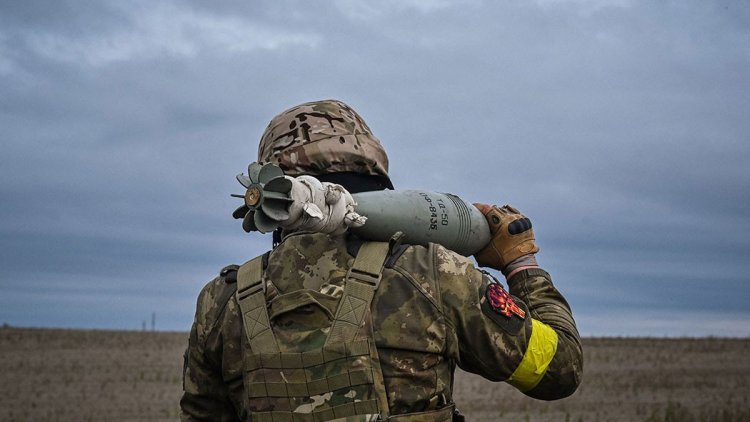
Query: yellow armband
pixel 539 353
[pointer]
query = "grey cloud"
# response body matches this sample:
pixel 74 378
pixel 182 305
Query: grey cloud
pixel 618 127
pixel 147 31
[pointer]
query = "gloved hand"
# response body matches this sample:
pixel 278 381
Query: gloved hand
pixel 512 243
pixel 320 207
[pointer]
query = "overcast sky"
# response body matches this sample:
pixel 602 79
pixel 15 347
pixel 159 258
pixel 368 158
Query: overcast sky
pixel 621 128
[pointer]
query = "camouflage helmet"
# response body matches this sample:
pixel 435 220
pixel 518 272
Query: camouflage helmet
pixel 322 137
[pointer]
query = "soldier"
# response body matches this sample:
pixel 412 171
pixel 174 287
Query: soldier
pixel 328 327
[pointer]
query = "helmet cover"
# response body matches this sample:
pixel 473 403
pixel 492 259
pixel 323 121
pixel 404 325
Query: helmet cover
pixel 322 137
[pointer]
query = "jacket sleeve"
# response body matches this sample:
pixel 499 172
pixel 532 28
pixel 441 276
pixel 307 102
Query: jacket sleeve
pixel 563 374
pixel 205 396
pixel 526 337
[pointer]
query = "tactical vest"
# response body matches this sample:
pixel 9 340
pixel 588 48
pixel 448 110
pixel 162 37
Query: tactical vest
pixel 321 372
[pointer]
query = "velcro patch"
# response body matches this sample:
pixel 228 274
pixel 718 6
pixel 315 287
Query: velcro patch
pixel 501 302
pixel 506 311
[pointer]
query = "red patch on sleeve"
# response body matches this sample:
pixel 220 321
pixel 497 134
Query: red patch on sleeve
pixel 501 302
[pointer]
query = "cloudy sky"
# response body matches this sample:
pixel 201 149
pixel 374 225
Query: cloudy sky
pixel 622 128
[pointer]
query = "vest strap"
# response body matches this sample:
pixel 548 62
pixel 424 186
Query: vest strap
pixel 251 296
pixel 362 279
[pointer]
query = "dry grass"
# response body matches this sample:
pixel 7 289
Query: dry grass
pixel 633 380
pixel 72 375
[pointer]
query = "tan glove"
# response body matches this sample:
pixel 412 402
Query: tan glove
pixel 512 237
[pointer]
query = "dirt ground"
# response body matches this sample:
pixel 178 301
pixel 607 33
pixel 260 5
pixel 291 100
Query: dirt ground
pixel 632 380
pixel 74 375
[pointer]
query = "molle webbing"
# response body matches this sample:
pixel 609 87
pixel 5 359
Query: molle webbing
pixel 311 362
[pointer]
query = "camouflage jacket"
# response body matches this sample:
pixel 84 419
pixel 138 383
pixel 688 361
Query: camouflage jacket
pixel 432 312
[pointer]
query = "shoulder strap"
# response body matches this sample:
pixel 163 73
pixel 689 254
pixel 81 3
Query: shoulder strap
pixel 251 296
pixel 362 280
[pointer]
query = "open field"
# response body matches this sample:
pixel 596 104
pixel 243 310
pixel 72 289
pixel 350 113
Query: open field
pixel 74 375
